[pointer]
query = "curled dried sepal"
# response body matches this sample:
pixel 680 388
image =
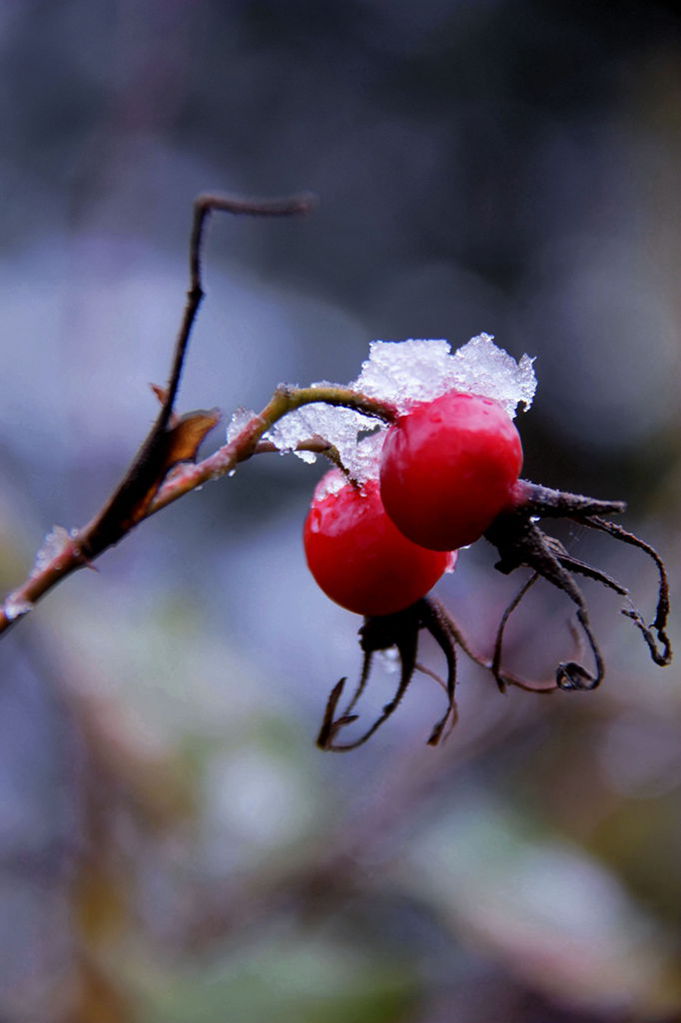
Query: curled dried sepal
pixel 520 541
pixel 655 635
pixel 399 630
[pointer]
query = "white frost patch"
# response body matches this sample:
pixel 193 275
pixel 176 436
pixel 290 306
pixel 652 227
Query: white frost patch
pixel 54 544
pixel 365 460
pixel 240 419
pixel 400 373
pixel 16 608
pixel 405 372
pixel 338 426
pixel 390 659
pixel 362 460
pixel 331 483
pixel 484 368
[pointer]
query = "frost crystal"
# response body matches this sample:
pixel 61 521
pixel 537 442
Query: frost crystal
pixel 240 419
pixel 364 460
pixel 405 372
pixel 402 373
pixel 390 659
pixel 54 544
pixel 330 483
pixel 338 426
pixel 483 368
pixel 362 464
pixel 15 608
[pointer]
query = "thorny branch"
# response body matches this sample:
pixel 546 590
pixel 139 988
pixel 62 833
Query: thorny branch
pixel 164 468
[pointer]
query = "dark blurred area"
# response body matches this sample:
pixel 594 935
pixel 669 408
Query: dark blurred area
pixel 173 848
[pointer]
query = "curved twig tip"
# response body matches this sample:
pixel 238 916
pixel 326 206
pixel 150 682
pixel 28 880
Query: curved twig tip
pixel 290 205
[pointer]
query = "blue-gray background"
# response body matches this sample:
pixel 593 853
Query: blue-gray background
pixel 172 846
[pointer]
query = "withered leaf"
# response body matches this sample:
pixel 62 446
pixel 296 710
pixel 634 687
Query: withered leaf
pixel 179 443
pixel 163 449
pixel 186 434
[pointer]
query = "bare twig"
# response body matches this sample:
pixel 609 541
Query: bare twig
pixel 147 486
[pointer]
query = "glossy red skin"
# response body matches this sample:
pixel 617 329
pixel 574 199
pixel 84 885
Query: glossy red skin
pixel 448 468
pixel 359 557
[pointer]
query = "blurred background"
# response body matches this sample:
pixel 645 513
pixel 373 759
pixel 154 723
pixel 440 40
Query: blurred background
pixel 173 847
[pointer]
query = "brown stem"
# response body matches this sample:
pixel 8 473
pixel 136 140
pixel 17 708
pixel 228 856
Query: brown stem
pixel 283 401
pixel 88 543
pixel 134 498
pixel 128 504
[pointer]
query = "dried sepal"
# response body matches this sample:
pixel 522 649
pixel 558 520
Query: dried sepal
pixel 399 630
pixel 520 542
pixel 655 635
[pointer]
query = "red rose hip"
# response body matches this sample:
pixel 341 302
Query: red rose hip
pixel 447 469
pixel 359 557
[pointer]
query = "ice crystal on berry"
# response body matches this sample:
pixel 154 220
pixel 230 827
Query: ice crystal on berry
pixel 364 461
pixel 402 373
pixel 481 367
pixel 405 372
pixel 339 427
